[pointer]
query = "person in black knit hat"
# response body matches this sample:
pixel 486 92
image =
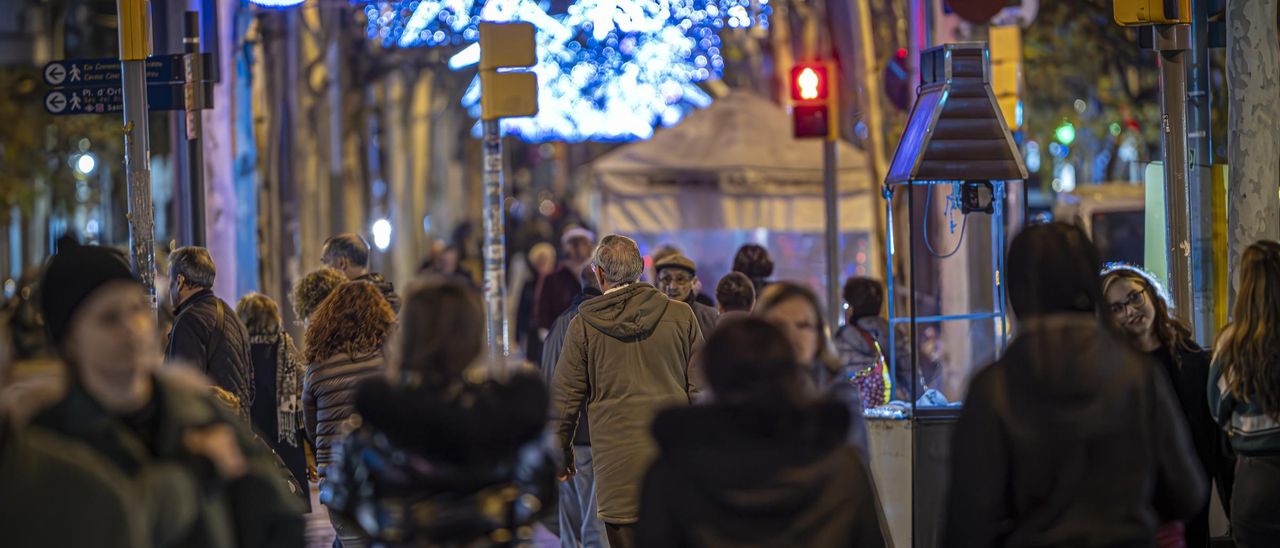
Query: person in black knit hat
pixel 205 483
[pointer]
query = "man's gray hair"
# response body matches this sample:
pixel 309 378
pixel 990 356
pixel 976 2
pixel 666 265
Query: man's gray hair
pixel 618 260
pixel 194 264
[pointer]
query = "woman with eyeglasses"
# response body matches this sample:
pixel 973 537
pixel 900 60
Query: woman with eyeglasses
pixel 1140 309
pixel 794 309
pixel 1244 396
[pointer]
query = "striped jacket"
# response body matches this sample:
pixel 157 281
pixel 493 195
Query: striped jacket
pixel 1251 432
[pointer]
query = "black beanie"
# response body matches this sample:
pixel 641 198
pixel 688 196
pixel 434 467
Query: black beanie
pixel 71 275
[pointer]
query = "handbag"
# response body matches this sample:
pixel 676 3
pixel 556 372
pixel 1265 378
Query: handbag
pixel 873 380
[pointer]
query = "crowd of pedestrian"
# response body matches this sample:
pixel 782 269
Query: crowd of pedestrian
pixel 652 414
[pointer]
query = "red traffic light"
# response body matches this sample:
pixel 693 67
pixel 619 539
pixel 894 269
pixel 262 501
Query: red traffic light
pixel 809 83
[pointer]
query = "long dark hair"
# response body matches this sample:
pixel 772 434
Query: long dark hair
pixel 1249 349
pixel 1054 268
pixel 1174 336
pixel 442 332
pixel 749 360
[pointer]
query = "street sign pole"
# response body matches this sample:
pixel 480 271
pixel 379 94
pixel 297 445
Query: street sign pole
pixel 494 246
pixel 193 70
pixel 1172 42
pixel 134 48
pixel 503 94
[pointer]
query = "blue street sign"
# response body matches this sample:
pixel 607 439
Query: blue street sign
pixel 73 73
pixel 110 99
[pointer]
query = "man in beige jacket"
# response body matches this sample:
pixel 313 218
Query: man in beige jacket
pixel 627 355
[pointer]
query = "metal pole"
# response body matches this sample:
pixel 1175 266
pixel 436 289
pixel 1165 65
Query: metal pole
pixel 1173 41
pixel 134 48
pixel 871 86
pixel 494 247
pixel 1200 178
pixel 833 231
pixel 194 95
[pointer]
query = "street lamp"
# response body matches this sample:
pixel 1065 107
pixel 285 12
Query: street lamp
pixel 86 163
pixel 382 234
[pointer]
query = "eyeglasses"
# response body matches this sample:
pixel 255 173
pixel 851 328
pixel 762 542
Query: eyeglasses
pixel 674 280
pixel 1135 300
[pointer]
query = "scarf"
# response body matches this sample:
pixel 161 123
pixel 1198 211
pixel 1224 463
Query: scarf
pixel 289 371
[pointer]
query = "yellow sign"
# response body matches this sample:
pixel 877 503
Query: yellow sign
pixel 1137 13
pixel 509 93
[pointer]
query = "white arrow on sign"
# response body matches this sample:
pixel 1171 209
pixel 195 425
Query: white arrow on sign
pixel 55 73
pixel 56 102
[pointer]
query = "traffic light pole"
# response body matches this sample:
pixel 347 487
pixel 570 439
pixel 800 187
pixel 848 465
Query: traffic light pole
pixel 134 48
pixel 1172 42
pixel 494 247
pixel 1200 178
pixel 831 199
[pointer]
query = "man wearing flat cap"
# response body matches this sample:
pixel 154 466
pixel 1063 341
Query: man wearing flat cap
pixel 676 274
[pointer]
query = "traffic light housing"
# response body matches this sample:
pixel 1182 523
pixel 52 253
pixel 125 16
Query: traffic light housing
pixel 813 97
pixel 1136 13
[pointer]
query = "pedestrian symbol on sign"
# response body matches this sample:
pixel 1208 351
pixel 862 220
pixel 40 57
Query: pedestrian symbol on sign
pixel 75 73
pixel 75 103
pixel 54 74
pixel 56 102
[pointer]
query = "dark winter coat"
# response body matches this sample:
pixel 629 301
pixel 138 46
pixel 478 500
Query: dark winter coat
pixel 555 296
pixel 1070 439
pixel 1189 375
pixel 551 355
pixel 707 316
pixel 264 415
pixel 386 288
pixel 751 475
pixel 228 365
pixel 429 467
pixel 328 399
pixel 186 504
pixel 59 492
pixel 627 355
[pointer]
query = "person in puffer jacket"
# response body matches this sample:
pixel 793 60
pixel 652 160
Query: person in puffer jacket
pixel 344 343
pixel 446 454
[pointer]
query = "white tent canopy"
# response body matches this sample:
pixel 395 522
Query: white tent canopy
pixel 732 166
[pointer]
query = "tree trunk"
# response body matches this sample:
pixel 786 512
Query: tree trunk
pixel 1253 126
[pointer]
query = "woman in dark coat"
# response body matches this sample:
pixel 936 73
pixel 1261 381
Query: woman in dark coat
pixel 764 464
pixel 1071 438
pixel 446 455
pixel 345 337
pixel 1139 308
pixel 278 370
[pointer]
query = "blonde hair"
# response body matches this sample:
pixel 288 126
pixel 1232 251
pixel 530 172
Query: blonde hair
pixel 1249 349
pixel 259 314
pixel 312 290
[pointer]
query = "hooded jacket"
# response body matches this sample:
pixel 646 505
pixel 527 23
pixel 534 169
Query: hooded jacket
pixel 387 289
pixel 1071 439
pixel 228 365
pixel 432 466
pixel 751 475
pixel 627 355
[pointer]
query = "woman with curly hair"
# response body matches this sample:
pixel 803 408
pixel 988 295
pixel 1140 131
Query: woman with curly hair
pixel 1140 309
pixel 278 370
pixel 1244 395
pixel 312 290
pixel 344 339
